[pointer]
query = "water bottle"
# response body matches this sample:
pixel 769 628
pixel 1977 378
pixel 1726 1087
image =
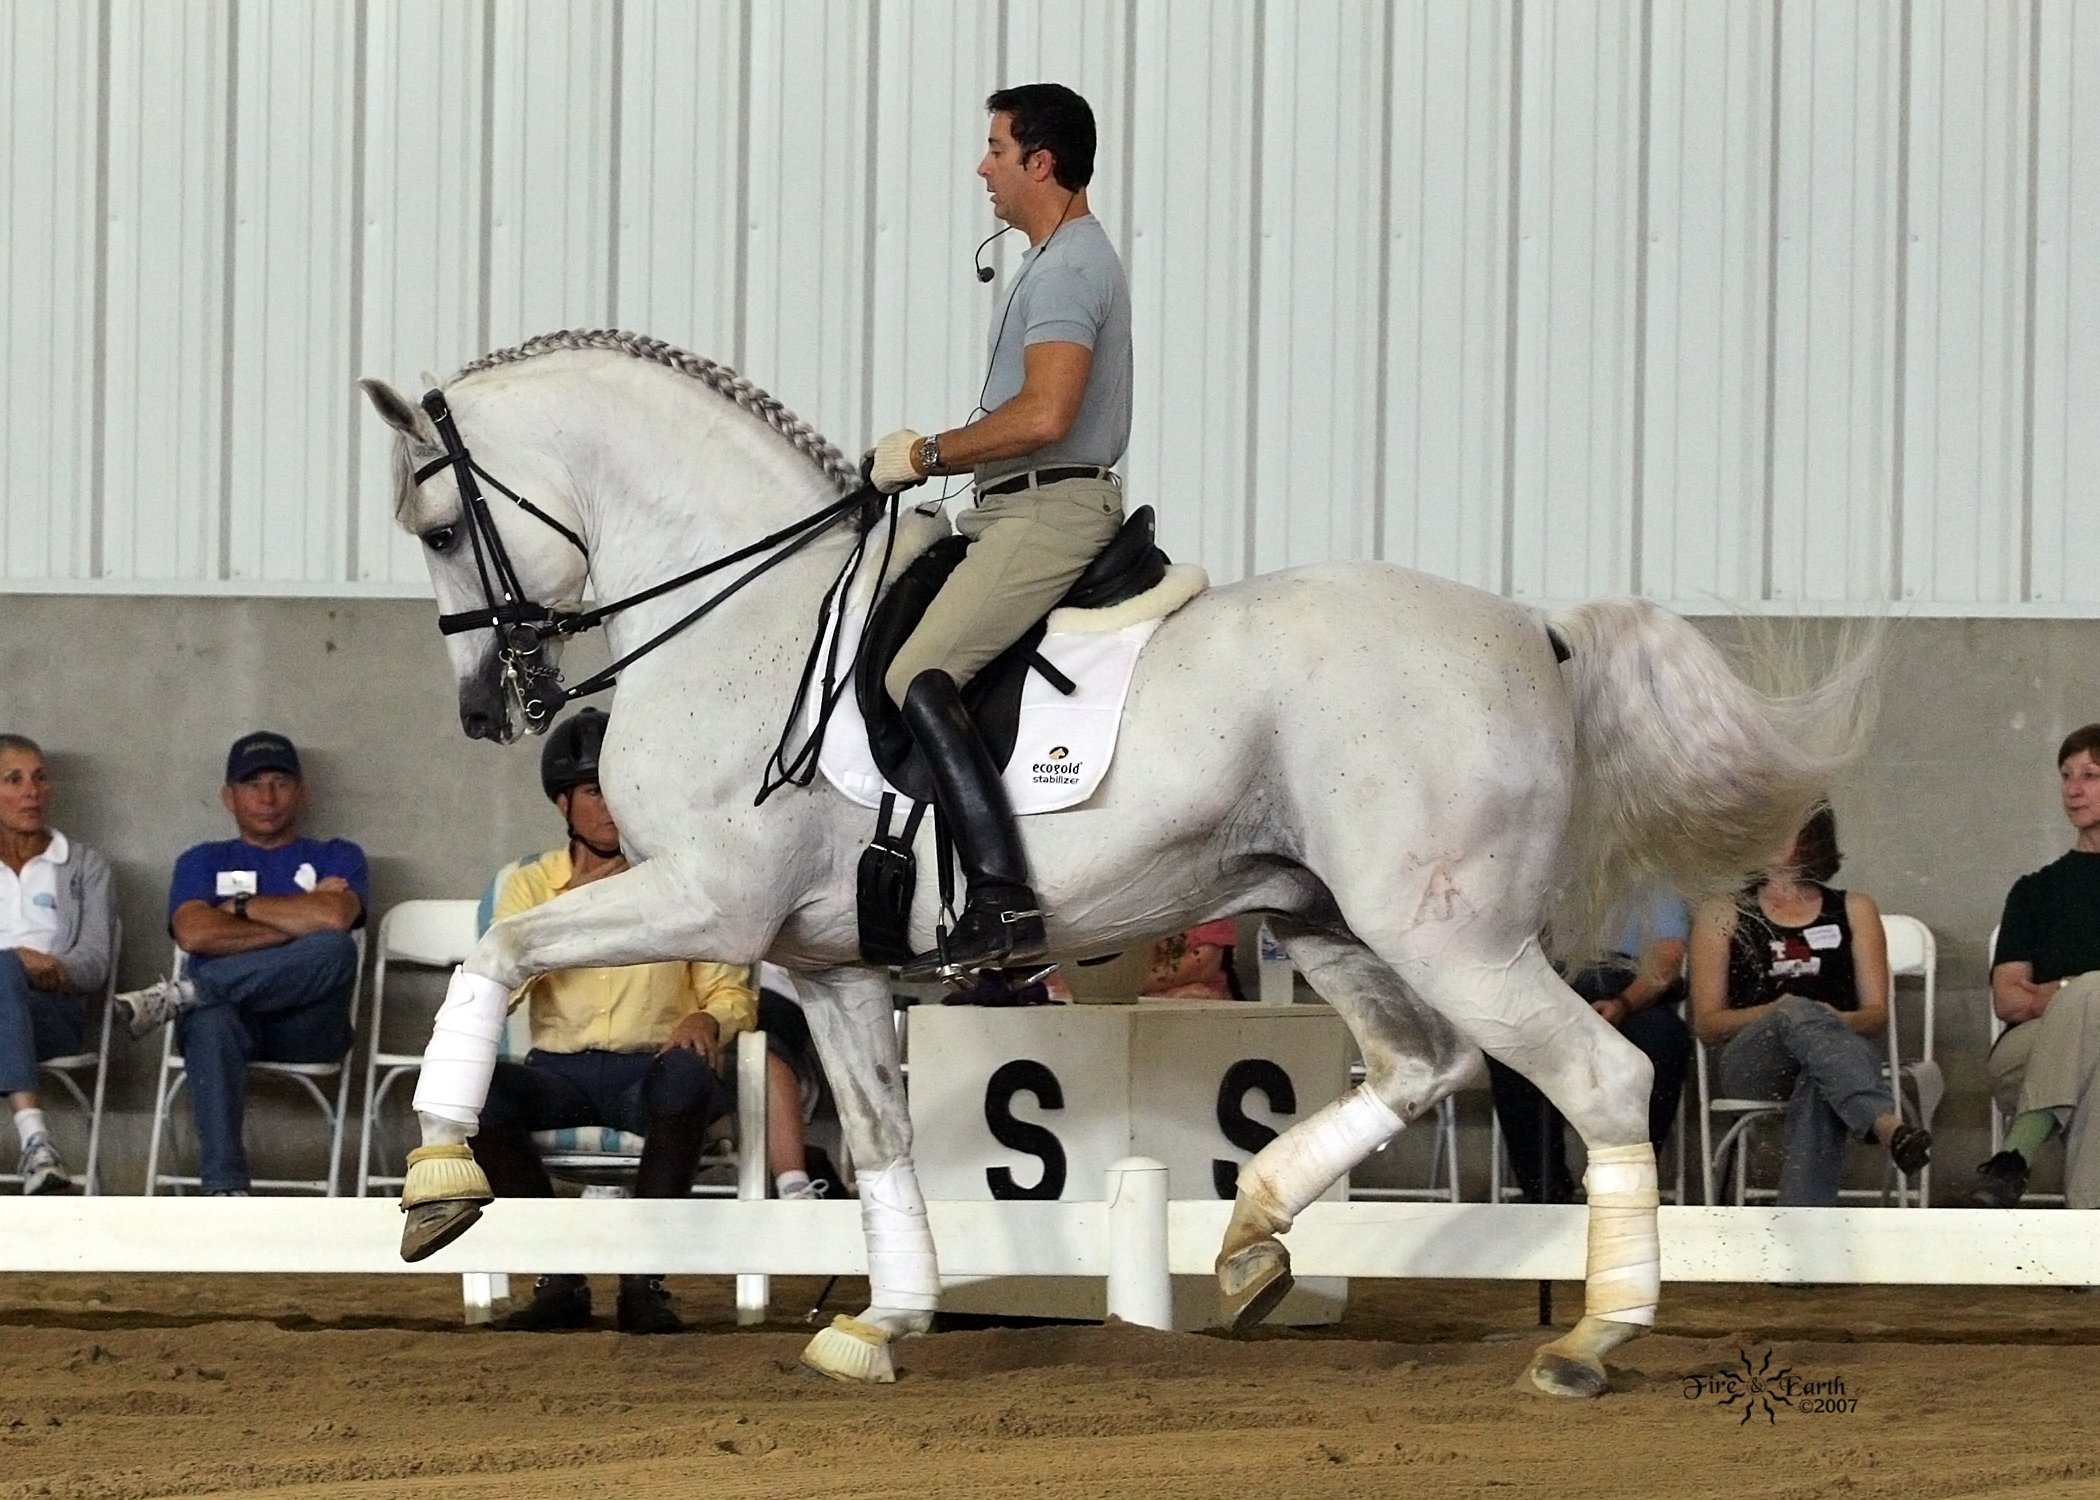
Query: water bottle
pixel 1278 978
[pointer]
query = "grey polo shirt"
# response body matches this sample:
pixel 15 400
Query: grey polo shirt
pixel 1070 290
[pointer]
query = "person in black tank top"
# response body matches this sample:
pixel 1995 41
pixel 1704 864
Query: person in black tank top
pixel 1768 958
pixel 1790 982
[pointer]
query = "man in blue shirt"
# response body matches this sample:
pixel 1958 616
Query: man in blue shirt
pixel 264 920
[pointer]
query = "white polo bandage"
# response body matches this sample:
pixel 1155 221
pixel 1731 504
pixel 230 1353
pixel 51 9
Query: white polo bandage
pixel 1309 1158
pixel 454 1083
pixel 1623 1281
pixel 901 1268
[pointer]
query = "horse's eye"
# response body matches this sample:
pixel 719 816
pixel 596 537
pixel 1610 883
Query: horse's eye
pixel 441 539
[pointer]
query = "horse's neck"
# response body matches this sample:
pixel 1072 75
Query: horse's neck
pixel 700 490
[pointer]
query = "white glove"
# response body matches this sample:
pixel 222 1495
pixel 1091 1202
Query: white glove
pixel 891 470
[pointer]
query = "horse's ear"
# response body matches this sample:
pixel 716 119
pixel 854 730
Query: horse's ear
pixel 398 412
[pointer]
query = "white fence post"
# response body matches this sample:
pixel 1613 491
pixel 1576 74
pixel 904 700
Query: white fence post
pixel 753 1293
pixel 1139 1289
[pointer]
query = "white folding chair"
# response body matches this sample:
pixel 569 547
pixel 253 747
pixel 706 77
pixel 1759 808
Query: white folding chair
pixel 66 1072
pixel 1502 1185
pixel 1912 953
pixel 431 935
pixel 1999 1118
pixel 1444 1185
pixel 308 1079
pixel 603 1161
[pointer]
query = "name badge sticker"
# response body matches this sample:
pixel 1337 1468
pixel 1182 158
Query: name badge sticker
pixel 305 878
pixel 236 883
pixel 1827 936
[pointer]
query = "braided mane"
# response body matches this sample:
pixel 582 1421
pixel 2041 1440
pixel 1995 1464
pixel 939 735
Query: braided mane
pixel 720 379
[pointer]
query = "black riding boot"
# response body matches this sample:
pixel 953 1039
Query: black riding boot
pixel 1000 922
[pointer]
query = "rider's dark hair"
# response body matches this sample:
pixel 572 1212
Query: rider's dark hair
pixel 22 744
pixel 1050 117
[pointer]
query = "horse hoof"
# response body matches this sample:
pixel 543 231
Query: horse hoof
pixel 430 1227
pixel 1251 1281
pixel 1567 1375
pixel 852 1351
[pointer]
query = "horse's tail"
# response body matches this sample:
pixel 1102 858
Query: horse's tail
pixel 1687 775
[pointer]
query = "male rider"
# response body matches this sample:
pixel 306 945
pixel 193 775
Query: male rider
pixel 1056 404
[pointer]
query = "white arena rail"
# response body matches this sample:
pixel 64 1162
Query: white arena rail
pixel 1135 1239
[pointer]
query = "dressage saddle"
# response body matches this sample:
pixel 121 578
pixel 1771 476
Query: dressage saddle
pixel 1126 567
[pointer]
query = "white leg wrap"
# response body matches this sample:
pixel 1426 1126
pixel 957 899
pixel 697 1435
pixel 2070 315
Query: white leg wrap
pixel 1306 1160
pixel 901 1268
pixel 454 1083
pixel 1624 1280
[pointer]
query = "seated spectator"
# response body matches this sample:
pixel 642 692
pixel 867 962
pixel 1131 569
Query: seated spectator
pixel 2045 986
pixel 1791 983
pixel 643 1048
pixel 794 1085
pixel 55 929
pixel 1638 991
pixel 1196 965
pixel 265 919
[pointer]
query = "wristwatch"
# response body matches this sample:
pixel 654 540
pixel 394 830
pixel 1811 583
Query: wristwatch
pixel 240 905
pixel 930 454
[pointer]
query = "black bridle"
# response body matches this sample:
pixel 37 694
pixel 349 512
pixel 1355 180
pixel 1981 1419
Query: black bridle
pixel 524 627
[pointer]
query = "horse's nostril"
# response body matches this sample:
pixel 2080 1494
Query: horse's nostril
pixel 478 725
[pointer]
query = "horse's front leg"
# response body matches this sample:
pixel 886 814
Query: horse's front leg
pixel 851 1019
pixel 642 915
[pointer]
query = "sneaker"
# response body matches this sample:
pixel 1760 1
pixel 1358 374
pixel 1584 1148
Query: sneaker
pixel 157 1004
pixel 817 1162
pixel 1910 1148
pixel 2000 1182
pixel 42 1171
pixel 226 1193
pixel 804 1192
pixel 557 1302
pixel 645 1307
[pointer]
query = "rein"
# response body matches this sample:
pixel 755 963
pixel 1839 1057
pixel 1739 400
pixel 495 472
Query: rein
pixel 525 627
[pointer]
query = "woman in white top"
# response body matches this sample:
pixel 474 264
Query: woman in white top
pixel 56 926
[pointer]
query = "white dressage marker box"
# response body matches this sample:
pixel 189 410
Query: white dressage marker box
pixel 1036 1102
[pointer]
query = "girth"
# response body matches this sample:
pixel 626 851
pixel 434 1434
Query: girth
pixel 1129 565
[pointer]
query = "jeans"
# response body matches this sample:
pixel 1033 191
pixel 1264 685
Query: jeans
pixel 34 1024
pixel 290 1003
pixel 667 1098
pixel 1831 1079
pixel 1659 1033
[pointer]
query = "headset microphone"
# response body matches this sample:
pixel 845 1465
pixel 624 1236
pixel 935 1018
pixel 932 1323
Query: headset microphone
pixel 984 272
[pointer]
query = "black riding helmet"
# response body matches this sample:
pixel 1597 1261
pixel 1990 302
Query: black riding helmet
pixel 570 756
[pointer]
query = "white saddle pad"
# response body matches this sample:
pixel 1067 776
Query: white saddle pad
pixel 1062 745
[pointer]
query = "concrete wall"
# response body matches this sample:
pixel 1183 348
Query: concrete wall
pixel 135 699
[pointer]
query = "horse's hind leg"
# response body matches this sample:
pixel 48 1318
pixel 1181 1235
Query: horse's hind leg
pixel 1413 1057
pixel 1522 1013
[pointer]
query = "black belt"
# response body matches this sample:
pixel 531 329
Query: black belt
pixel 1033 477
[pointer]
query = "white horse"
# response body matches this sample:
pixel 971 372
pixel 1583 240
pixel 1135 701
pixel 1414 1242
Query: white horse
pixel 1396 767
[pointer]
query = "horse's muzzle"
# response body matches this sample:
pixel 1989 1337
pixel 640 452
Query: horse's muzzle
pixel 484 712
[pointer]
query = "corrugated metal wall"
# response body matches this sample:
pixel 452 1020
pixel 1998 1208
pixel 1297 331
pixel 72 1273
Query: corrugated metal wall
pixel 1794 301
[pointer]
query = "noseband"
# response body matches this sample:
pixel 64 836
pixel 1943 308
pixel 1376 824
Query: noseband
pixel 524 627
